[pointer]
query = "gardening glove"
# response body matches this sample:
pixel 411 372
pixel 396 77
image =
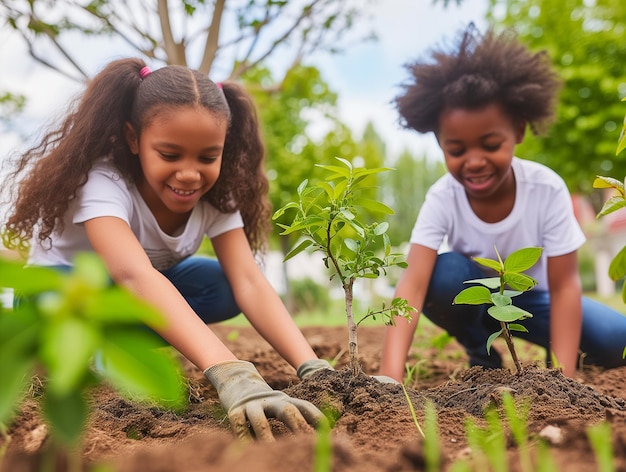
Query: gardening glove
pixel 308 368
pixel 248 398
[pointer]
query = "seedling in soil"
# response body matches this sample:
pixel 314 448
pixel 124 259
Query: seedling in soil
pixel 509 275
pixel 327 219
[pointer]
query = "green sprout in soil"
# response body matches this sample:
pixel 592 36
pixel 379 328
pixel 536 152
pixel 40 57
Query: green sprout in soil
pixel 509 274
pixel 328 220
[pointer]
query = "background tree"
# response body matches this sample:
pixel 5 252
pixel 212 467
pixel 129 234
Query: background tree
pixel 585 41
pixel 197 33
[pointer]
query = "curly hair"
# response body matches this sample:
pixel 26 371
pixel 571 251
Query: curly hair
pixel 50 174
pixel 480 70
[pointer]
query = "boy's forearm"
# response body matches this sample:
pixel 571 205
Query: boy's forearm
pixel 565 330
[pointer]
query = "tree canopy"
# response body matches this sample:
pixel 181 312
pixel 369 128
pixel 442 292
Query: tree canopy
pixel 585 41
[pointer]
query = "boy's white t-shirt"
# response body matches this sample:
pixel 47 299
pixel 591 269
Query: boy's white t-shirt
pixel 106 193
pixel 542 216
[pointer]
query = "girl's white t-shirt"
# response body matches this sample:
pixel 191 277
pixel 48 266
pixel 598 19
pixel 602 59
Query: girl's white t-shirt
pixel 542 216
pixel 106 193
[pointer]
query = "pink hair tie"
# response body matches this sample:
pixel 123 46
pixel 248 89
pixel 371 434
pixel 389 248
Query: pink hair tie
pixel 219 85
pixel 144 72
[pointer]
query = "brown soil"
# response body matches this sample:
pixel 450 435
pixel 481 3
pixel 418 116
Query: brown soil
pixel 375 430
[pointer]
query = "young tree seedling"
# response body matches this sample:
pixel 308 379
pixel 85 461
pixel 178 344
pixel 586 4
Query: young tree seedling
pixel 509 275
pixel 328 220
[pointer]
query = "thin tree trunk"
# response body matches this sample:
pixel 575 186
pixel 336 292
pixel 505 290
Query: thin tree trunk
pixel 352 327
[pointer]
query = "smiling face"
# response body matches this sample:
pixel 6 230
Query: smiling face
pixel 180 151
pixel 478 145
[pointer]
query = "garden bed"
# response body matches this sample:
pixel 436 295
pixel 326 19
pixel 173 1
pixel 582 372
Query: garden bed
pixel 375 430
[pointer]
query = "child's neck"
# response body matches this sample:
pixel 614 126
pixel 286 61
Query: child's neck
pixel 497 207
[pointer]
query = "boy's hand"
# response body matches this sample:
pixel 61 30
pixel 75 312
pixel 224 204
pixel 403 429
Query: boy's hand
pixel 248 398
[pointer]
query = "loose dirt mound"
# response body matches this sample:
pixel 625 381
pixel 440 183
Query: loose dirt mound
pixel 374 430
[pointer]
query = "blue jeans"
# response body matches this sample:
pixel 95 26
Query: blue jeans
pixel 202 282
pixel 603 329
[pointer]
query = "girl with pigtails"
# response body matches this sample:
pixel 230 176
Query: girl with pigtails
pixel 142 168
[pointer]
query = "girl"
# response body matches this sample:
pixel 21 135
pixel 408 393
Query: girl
pixel 478 99
pixel 144 167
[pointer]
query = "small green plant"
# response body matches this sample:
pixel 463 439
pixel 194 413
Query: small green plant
pixel 518 424
pixel 327 219
pixel 61 323
pixel 602 443
pixel 509 275
pixel 488 444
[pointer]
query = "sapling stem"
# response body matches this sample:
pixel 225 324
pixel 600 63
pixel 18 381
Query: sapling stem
pixel 506 334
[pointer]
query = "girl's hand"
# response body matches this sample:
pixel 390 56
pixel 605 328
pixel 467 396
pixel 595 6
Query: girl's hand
pixel 248 398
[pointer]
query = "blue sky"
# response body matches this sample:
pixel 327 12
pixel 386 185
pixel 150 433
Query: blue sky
pixel 366 76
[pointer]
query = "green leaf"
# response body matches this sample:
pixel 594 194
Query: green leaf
pixel 517 327
pixel 521 282
pixel 500 300
pixel 67 415
pixel 522 259
pixel 90 270
pixel 340 171
pixel 491 339
pixel 617 268
pixel 508 313
pixel 118 305
pixel 381 228
pixel 67 348
pixel 281 211
pixel 374 206
pixel 624 293
pixel 491 282
pixel 495 265
pixel 30 280
pixel 352 245
pixel 608 182
pixel 298 249
pixel 612 204
pixel 476 295
pixel 137 369
pixel 302 186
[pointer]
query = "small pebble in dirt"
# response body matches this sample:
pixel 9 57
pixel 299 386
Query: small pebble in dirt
pixel 552 434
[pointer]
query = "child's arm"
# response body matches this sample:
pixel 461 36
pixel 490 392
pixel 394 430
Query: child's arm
pixel 129 266
pixel 241 389
pixel 258 300
pixel 412 286
pixel 565 310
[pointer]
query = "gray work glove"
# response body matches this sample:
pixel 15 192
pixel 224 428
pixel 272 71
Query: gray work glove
pixel 248 398
pixel 308 368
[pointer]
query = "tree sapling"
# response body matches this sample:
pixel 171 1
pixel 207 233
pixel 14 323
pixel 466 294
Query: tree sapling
pixel 509 274
pixel 327 220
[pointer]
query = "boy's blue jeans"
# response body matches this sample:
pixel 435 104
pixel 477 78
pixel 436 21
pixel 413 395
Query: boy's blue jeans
pixel 603 331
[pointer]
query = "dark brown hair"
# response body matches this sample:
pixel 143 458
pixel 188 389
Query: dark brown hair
pixel 478 71
pixel 50 174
